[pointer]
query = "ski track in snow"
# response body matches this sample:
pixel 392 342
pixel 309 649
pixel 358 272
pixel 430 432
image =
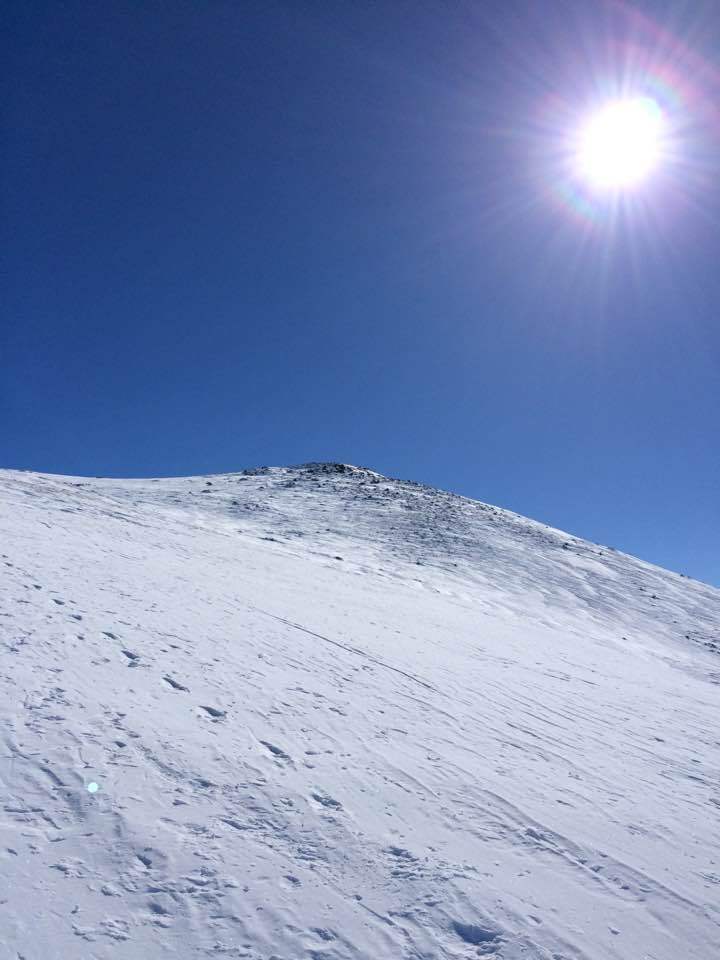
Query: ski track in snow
pixel 339 717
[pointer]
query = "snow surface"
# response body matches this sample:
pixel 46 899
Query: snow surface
pixel 331 715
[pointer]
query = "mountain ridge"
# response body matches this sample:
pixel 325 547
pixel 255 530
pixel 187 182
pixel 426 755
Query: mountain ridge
pixel 335 715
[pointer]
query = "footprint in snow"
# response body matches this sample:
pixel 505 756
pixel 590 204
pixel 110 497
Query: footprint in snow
pixel 401 853
pixel 475 934
pixel 150 857
pixel 276 751
pixel 158 908
pixel 214 713
pixel 326 801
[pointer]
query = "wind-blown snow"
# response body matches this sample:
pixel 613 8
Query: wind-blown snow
pixel 339 717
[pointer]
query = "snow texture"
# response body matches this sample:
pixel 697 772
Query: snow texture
pixel 332 716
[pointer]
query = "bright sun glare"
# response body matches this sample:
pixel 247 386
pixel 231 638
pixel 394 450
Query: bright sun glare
pixel 621 144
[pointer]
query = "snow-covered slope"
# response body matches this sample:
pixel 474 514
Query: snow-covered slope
pixel 335 716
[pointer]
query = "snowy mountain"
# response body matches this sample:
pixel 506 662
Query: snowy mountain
pixel 312 712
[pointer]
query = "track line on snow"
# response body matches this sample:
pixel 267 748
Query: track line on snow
pixel 344 646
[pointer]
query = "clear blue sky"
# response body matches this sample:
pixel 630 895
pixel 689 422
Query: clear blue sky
pixel 263 233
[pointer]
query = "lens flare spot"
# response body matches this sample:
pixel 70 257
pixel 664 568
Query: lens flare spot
pixel 93 787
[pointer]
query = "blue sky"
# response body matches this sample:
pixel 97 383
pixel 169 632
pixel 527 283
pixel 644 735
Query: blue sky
pixel 264 233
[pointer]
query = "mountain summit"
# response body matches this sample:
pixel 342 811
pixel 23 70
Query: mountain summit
pixel 313 713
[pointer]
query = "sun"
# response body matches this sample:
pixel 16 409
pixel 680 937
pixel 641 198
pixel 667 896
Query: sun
pixel 621 144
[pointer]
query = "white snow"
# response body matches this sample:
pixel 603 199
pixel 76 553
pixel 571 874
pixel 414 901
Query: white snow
pixel 330 716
